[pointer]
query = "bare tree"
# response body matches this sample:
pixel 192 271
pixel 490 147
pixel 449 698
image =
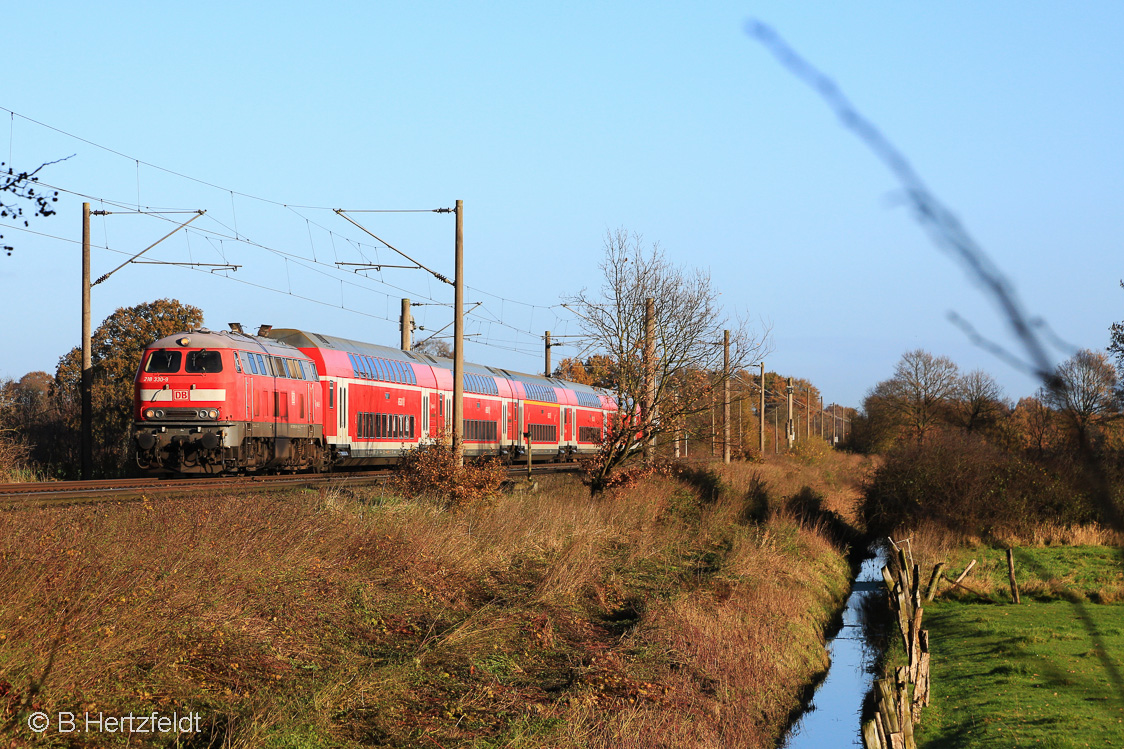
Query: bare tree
pixel 920 391
pixel 1086 391
pixel 979 401
pixel 661 382
pixel 1116 348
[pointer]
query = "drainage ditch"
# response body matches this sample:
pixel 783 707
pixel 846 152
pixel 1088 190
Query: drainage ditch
pixel 832 717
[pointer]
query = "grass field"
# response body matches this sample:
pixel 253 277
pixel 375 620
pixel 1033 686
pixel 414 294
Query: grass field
pixel 677 613
pixel 1046 673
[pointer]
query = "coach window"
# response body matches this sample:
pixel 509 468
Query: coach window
pixel 331 395
pixel 163 361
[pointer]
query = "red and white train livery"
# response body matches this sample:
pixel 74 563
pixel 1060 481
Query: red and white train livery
pixel 222 402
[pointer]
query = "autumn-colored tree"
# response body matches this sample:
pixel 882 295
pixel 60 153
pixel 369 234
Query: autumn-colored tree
pixel 597 370
pixel 116 349
pixel 1035 423
pixel 31 417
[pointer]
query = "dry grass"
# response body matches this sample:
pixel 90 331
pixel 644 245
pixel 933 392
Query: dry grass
pixel 652 616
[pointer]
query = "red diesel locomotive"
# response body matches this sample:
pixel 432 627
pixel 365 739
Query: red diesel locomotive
pixel 285 400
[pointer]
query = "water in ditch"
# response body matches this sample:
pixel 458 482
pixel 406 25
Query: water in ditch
pixel 832 717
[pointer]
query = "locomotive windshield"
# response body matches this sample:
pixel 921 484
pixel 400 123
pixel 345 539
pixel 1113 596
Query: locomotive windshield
pixel 163 361
pixel 204 361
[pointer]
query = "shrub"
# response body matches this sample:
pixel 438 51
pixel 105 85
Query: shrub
pixel 968 486
pixel 13 458
pixel 431 471
pixel 809 451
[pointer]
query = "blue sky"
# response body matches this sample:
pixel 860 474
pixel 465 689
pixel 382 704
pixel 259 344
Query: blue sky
pixel 555 123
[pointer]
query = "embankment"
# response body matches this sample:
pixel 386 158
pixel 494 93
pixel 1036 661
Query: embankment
pixel 685 611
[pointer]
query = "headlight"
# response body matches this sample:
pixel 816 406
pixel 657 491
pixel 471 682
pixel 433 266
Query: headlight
pixel 213 413
pixel 160 413
pixel 149 414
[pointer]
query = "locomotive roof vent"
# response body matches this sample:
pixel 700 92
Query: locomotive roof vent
pixel 236 327
pixel 264 330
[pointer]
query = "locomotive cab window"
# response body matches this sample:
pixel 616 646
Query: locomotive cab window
pixel 203 362
pixel 163 361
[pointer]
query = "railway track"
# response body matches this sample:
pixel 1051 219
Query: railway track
pixel 37 494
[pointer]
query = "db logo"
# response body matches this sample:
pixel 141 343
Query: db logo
pixel 179 395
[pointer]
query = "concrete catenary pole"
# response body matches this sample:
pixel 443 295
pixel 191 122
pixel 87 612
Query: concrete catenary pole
pixel 86 438
pixel 821 417
pixel 725 396
pixel 789 426
pixel 458 342
pixel 407 324
pixel 808 415
pixel 761 413
pixel 647 414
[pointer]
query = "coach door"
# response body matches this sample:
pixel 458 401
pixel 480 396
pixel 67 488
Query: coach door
pixel 341 410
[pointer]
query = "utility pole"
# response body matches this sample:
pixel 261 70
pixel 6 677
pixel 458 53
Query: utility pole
pixel 789 425
pixel 647 415
pixel 821 417
pixel 546 371
pixel 761 412
pixel 407 324
pixel 458 342
pixel 808 414
pixel 86 440
pixel 725 396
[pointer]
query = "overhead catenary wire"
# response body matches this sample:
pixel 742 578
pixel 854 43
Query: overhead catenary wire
pixel 236 235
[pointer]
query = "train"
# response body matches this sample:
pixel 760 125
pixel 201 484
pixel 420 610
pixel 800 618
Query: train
pixel 286 400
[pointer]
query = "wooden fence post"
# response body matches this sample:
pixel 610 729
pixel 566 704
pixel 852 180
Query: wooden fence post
pixel 1011 574
pixel 934 580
